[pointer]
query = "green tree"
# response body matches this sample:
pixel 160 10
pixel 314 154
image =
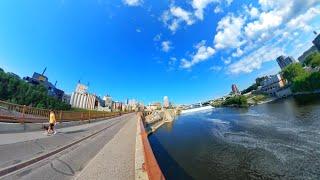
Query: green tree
pixel 240 101
pixel 293 71
pixel 15 90
pixel 307 83
pixel 313 60
pixel 250 88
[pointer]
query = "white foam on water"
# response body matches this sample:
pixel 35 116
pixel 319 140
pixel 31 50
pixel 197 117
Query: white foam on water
pixel 218 121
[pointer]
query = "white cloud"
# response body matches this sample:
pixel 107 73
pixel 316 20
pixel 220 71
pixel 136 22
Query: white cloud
pixel 302 20
pixel 227 61
pixel 157 37
pixel 171 63
pixel 238 53
pixel 229 32
pixel 253 12
pixel 199 6
pixel 266 22
pixel 275 14
pixel 182 14
pixel 133 2
pixel 256 32
pixel 138 30
pixel 216 68
pixel 217 10
pixel 166 46
pixel 175 16
pixel 254 60
pixel 203 53
pixel 229 2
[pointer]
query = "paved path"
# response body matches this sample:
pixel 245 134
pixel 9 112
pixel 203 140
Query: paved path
pixel 117 158
pixel 113 150
pixel 11 138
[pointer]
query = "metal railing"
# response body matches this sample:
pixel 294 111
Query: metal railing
pixel 151 164
pixel 10 112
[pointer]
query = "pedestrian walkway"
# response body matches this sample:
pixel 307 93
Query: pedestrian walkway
pixel 116 160
pixel 11 138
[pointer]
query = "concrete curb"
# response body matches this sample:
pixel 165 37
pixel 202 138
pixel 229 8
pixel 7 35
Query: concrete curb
pixel 140 173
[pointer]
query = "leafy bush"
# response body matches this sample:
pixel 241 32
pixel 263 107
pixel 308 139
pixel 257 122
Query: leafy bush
pixel 293 71
pixel 306 83
pixel 313 60
pixel 240 101
pixel 250 88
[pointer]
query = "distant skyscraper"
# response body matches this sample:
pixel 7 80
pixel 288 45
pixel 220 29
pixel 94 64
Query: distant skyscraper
pixel 316 42
pixel 308 52
pixel 285 61
pixel 235 89
pixel 108 101
pixel 166 102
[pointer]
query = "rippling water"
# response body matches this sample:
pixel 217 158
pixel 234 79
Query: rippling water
pixel 279 140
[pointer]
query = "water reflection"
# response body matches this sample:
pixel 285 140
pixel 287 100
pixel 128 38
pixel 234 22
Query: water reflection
pixel 280 140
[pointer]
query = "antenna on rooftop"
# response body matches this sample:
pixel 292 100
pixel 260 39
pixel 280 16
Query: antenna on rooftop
pixel 45 69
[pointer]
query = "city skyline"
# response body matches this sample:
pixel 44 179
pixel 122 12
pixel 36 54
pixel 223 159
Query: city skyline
pixel 190 52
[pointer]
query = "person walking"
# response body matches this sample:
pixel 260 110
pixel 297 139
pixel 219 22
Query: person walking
pixel 52 122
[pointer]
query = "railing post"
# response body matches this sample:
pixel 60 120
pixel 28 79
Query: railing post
pixel 23 114
pixel 60 116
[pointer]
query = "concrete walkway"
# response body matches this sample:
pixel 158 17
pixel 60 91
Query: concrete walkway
pixel 116 160
pixel 11 138
pixel 110 154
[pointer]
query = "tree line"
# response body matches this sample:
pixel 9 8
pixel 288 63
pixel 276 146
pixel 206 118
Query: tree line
pixel 302 80
pixel 15 90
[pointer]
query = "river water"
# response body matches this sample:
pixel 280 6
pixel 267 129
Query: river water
pixel 278 140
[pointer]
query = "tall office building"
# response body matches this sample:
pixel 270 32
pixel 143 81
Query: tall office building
pixel 166 102
pixel 108 101
pixel 285 61
pixel 316 42
pixel 307 53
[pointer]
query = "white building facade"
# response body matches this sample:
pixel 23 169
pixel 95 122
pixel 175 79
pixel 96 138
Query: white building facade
pixel 82 99
pixel 272 84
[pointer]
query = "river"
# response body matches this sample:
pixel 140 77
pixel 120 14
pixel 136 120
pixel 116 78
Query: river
pixel 278 140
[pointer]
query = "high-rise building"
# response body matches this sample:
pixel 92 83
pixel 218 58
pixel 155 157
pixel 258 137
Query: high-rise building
pixel 108 101
pixel 316 42
pixel 285 61
pixel 235 89
pixel 307 53
pixel 166 102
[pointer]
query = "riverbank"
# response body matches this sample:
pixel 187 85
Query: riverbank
pixel 157 118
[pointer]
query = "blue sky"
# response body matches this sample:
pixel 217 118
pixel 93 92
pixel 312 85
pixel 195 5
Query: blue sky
pixel 190 50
